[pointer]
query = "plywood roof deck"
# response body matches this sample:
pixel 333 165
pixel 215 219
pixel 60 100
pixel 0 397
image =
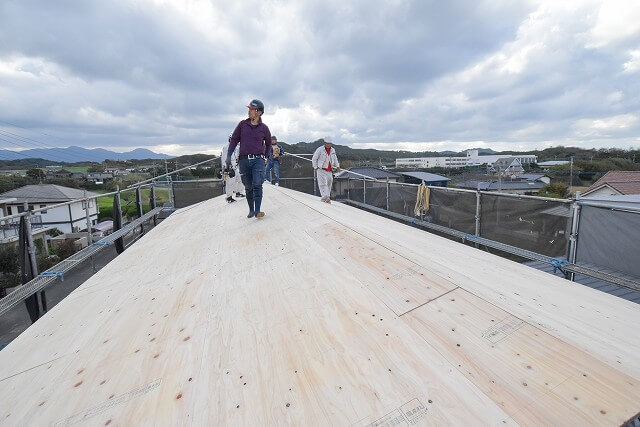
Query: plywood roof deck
pixel 320 315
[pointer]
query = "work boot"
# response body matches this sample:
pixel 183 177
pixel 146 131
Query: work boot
pixel 251 214
pixel 230 199
pixel 260 215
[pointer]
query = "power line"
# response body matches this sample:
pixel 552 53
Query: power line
pixel 26 146
pixel 28 142
pixel 17 153
pixel 33 140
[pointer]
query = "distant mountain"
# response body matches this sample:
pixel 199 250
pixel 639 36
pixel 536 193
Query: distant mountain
pixel 79 154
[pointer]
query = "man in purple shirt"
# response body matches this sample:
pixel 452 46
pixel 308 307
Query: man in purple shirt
pixel 254 138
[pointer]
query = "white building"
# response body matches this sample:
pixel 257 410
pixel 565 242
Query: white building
pixel 471 159
pixel 68 219
pixel 552 163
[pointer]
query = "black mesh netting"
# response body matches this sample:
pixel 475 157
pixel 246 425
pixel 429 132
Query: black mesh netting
pixel 304 185
pixel 610 239
pixel 376 194
pixel 452 209
pixel 340 188
pixel 402 198
pixel 352 189
pixel 541 226
pixel 187 193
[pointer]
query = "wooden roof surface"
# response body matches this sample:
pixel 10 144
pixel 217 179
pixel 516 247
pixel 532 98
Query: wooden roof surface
pixel 320 315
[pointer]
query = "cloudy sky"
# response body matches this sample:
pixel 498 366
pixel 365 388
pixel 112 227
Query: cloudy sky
pixel 175 76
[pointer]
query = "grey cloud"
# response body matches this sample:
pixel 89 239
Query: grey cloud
pixel 158 79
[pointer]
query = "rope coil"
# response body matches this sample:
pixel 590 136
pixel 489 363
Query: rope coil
pixel 422 200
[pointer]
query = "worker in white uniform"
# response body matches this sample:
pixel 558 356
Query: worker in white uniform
pixel 233 184
pixel 325 162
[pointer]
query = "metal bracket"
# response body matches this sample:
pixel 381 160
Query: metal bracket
pixel 59 274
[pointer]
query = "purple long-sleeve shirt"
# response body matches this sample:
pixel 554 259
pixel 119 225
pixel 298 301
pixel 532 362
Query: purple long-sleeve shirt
pixel 252 139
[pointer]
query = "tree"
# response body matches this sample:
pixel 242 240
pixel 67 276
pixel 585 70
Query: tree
pixel 557 190
pixel 9 268
pixel 66 249
pixel 36 174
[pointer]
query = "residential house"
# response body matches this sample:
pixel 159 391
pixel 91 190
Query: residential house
pixel 508 166
pixel 371 172
pixel 69 218
pixel 532 177
pixel 615 183
pixel 417 177
pixel 63 173
pixel 98 177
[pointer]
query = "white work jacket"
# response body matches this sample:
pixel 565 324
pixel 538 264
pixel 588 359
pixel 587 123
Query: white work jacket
pixel 321 159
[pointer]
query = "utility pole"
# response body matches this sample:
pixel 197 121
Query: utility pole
pixel 571 176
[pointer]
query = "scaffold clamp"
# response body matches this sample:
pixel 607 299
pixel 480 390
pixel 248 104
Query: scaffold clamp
pixel 558 264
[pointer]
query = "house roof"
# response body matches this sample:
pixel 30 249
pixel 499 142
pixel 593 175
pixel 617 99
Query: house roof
pixel 425 176
pixel 628 201
pixel 350 315
pixel 505 185
pixel 368 171
pixel 624 182
pixel 553 163
pixel 45 193
pixel 530 176
pixel 506 162
pixel 101 226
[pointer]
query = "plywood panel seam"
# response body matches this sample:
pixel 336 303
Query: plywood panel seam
pixel 431 300
pixel 34 367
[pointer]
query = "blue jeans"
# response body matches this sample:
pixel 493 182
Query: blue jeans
pixel 275 165
pixel 252 175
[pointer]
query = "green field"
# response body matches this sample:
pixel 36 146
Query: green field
pixel 128 202
pixel 82 169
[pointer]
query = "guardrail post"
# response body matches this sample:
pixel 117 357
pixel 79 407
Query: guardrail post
pixel 387 193
pixel 139 207
pixel 478 205
pixel 154 203
pixel 117 220
pixel 364 191
pixel 87 213
pixel 573 238
pixel 37 303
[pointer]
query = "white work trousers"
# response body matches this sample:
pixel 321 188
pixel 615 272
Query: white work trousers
pixel 234 185
pixel 325 181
